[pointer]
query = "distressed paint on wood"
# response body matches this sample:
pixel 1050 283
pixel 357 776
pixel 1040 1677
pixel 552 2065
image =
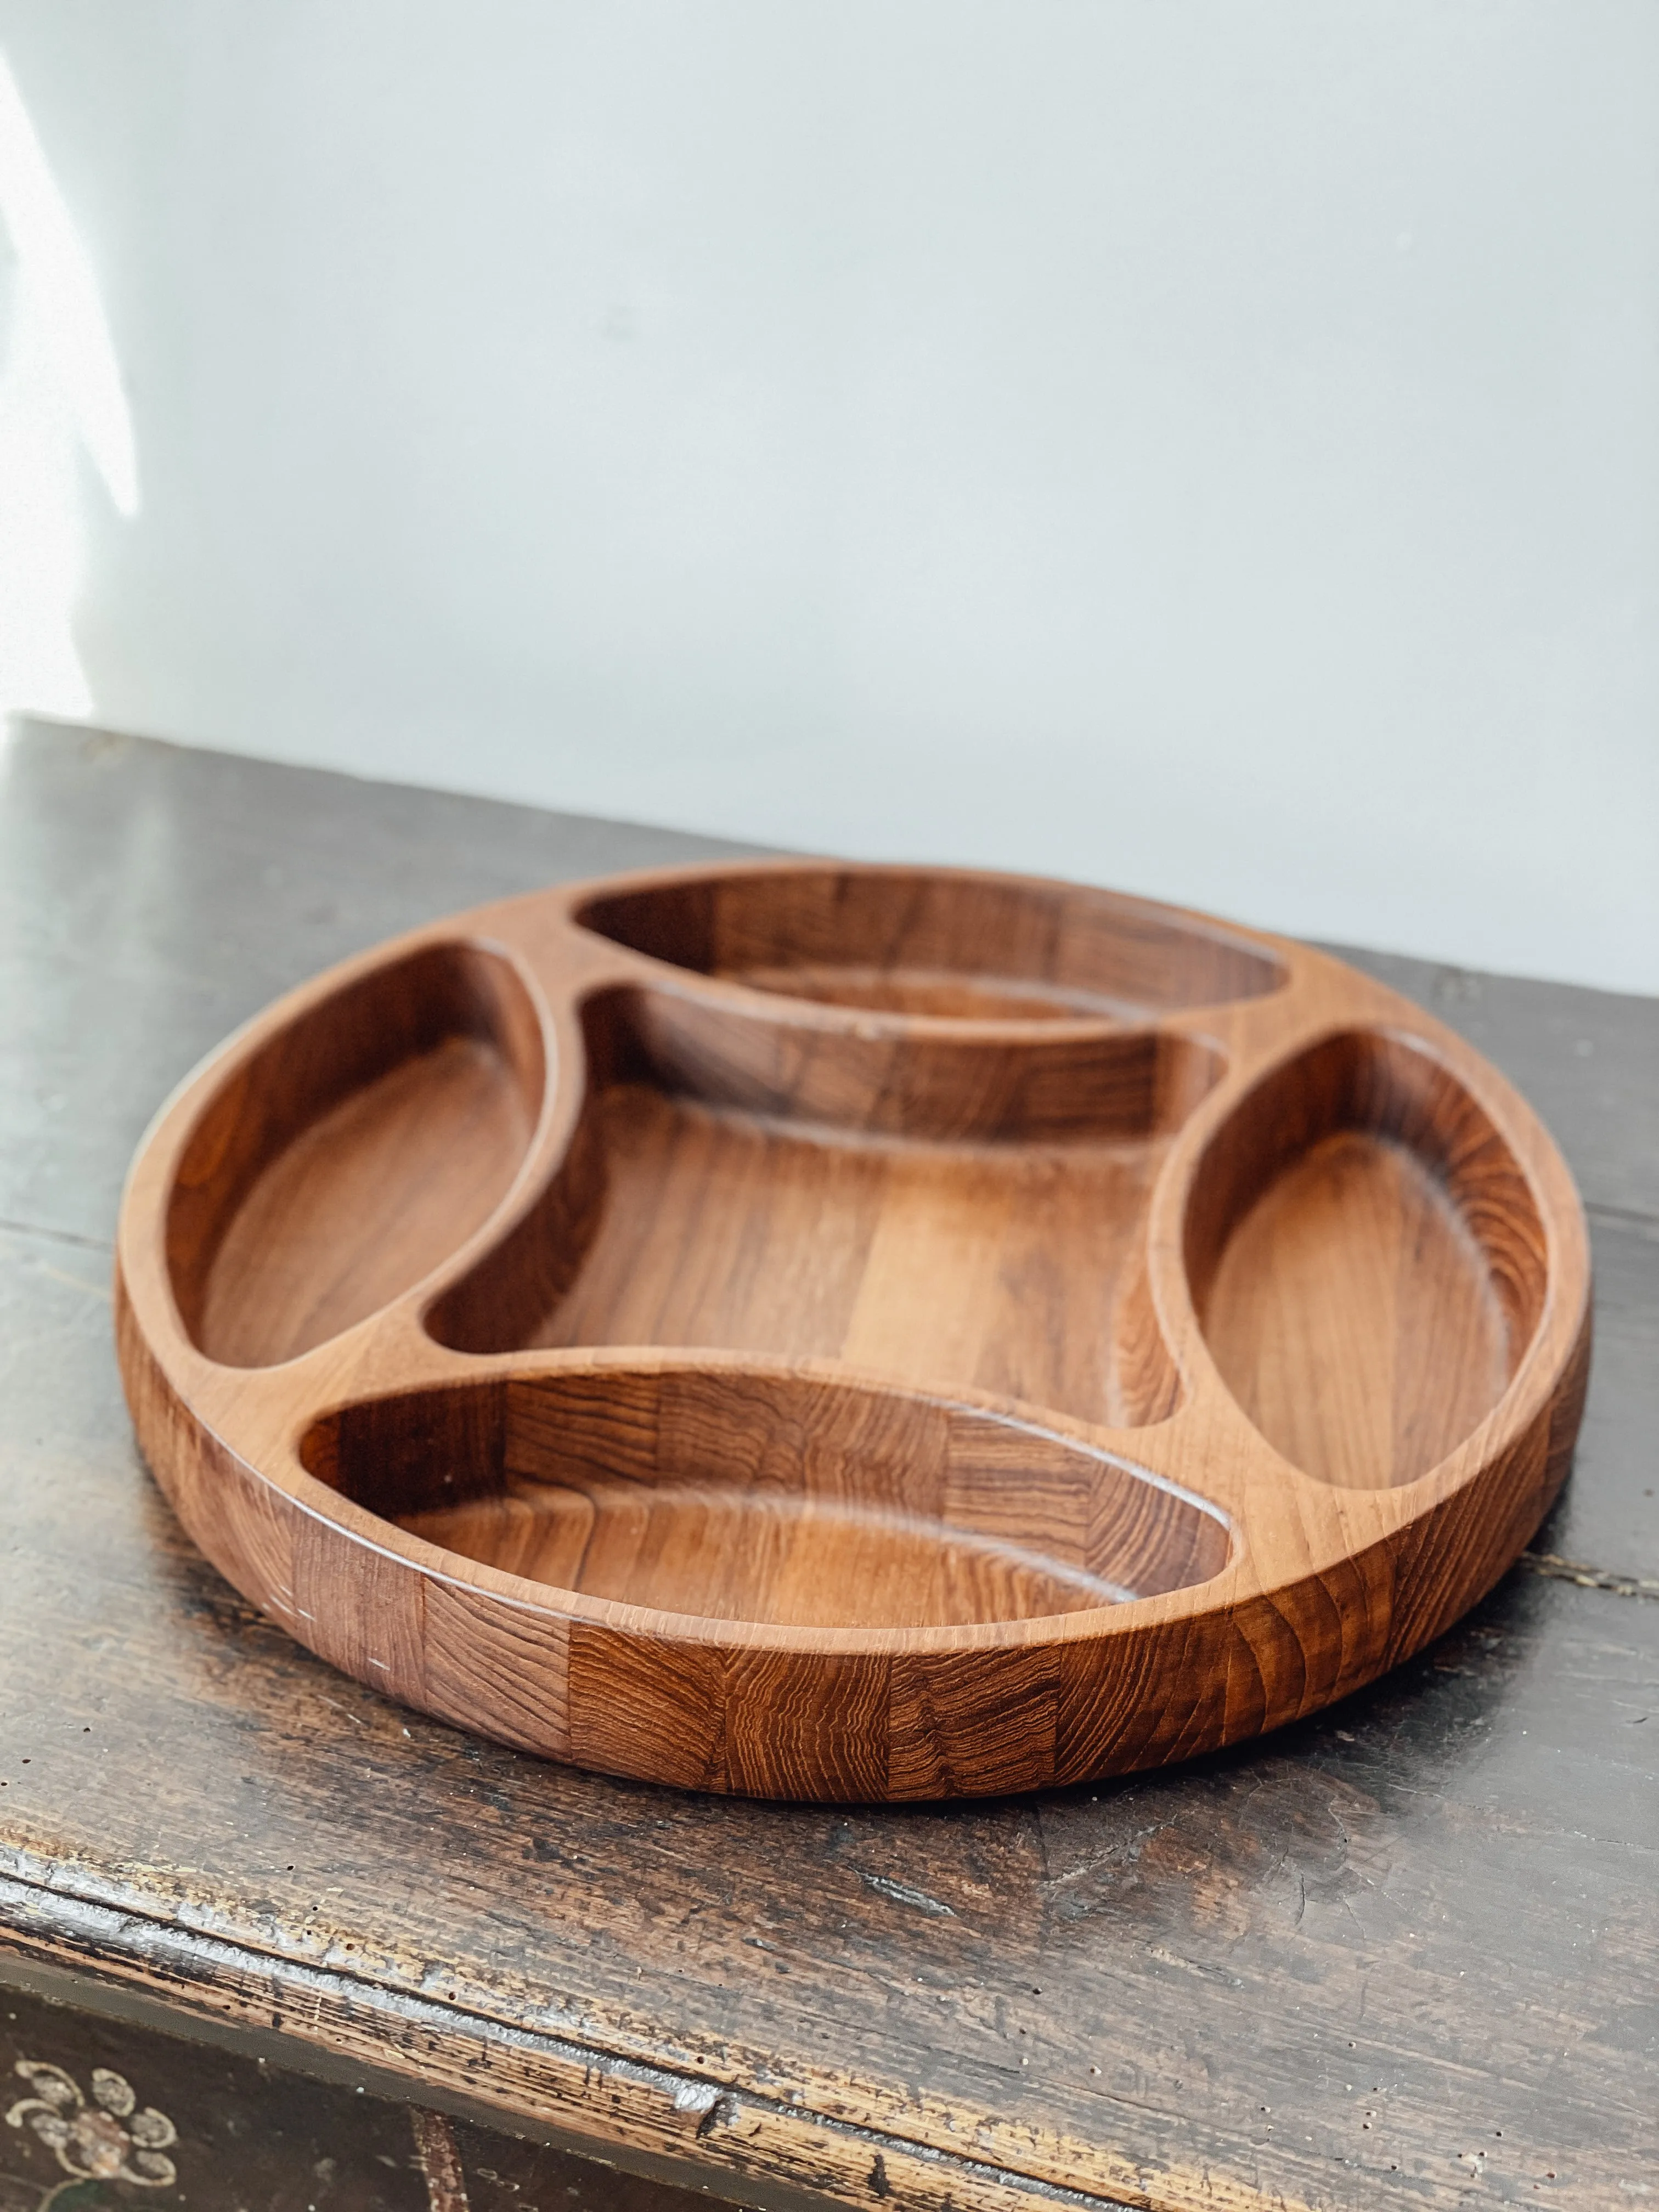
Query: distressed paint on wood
pixel 1430 1906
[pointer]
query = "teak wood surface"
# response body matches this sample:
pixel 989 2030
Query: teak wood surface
pixel 1401 1952
pixel 853 1332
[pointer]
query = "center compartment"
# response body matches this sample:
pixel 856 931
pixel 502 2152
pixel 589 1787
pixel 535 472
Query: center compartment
pixel 753 1495
pixel 947 1213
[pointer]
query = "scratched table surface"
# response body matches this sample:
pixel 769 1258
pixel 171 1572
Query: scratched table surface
pixel 1406 1952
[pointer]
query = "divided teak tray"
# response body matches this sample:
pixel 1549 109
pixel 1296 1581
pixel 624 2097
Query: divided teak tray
pixel 853 1332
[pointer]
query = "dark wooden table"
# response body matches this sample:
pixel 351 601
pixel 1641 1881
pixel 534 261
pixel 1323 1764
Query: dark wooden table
pixel 1407 1952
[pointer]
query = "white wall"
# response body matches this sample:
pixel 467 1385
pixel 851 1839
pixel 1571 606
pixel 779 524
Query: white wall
pixel 1211 447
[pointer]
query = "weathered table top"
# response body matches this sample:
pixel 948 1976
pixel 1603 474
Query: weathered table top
pixel 1407 1951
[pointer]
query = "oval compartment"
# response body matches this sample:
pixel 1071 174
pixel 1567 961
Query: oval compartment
pixel 1366 1259
pixel 755 1496
pixel 919 942
pixel 352 1153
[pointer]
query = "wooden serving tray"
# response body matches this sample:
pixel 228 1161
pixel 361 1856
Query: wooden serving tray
pixel 853 1332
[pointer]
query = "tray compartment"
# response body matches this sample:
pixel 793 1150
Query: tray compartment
pixel 352 1153
pixel 920 942
pixel 709 1198
pixel 750 1495
pixel 1366 1258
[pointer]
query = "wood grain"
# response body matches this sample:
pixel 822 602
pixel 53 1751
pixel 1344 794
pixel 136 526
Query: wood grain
pixel 842 1391
pixel 1402 1950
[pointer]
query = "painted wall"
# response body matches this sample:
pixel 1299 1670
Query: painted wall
pixel 1212 448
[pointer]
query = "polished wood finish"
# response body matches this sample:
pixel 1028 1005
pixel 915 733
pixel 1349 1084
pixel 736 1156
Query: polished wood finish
pixel 853 1332
pixel 1400 1951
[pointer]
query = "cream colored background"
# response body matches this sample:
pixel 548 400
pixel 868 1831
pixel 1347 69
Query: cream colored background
pixel 1212 447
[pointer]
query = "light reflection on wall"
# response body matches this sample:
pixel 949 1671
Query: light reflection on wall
pixel 60 399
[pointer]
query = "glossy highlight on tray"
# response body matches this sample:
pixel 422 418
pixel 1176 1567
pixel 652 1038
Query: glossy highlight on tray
pixel 853 1332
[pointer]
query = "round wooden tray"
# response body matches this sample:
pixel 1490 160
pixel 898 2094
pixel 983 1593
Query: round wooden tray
pixel 853 1332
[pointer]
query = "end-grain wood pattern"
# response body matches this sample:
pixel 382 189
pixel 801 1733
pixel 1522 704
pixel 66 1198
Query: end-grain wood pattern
pixel 853 1334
